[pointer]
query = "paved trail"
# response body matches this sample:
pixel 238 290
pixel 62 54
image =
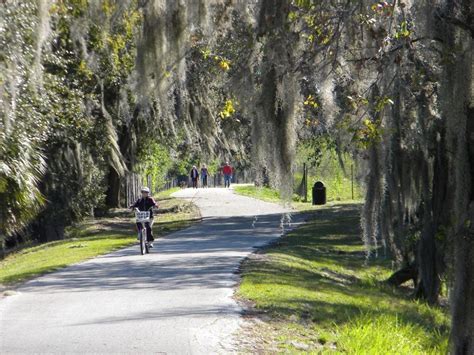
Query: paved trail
pixel 176 300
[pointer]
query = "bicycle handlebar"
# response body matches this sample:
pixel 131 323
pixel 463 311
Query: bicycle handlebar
pixel 137 210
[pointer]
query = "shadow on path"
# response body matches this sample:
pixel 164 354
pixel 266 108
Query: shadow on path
pixel 201 256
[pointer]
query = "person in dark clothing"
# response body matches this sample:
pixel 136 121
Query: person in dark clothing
pixel 204 174
pixel 194 174
pixel 146 203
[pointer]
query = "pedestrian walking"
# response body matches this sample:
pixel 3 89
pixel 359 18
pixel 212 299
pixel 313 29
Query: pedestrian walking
pixel 204 175
pixel 227 171
pixel 194 174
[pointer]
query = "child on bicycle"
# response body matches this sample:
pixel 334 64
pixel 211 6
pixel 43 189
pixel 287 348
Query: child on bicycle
pixel 146 203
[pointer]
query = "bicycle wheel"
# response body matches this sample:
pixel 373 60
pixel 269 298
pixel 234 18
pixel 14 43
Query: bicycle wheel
pixel 145 238
pixel 142 242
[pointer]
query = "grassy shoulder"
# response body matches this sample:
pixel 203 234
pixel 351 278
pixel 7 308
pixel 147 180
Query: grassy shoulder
pixel 272 195
pixel 314 293
pixel 91 238
pixel 260 193
pixel 166 194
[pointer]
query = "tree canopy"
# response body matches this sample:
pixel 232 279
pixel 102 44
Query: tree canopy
pixel 94 92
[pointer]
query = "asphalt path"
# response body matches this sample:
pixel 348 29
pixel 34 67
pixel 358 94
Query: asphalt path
pixel 176 300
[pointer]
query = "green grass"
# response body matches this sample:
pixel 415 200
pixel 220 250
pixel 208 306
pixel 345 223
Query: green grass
pixel 89 239
pixel 338 188
pixel 52 256
pixel 166 193
pixel 330 171
pixel 273 195
pixel 317 295
pixel 261 193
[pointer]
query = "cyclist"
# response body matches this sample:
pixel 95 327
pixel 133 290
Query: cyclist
pixel 146 203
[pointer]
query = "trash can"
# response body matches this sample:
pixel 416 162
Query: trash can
pixel 319 193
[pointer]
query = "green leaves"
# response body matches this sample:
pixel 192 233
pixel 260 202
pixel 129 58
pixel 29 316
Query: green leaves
pixel 21 167
pixel 23 125
pixel 315 21
pixel 382 102
pixel 403 31
pixel 228 110
pixel 155 162
pixel 66 103
pixel 383 8
pixel 368 134
pixel 222 62
pixel 311 102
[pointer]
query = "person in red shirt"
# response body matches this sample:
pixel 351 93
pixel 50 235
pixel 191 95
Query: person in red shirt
pixel 227 171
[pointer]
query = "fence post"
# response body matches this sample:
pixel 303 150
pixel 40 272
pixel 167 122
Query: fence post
pixel 352 180
pixel 305 182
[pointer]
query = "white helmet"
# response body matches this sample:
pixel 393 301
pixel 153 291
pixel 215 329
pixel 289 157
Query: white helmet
pixel 145 189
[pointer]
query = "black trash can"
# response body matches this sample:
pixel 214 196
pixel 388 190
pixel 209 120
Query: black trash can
pixel 319 193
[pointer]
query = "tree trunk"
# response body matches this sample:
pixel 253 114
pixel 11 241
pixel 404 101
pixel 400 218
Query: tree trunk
pixel 428 281
pixel 49 229
pixel 455 100
pixel 113 192
pixel 2 246
pixel 403 275
pixel 428 258
pixel 462 335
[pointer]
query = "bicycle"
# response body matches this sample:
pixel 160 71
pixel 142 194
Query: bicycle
pixel 143 217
